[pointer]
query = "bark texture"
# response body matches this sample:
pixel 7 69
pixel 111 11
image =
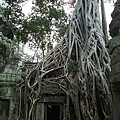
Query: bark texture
pixel 79 64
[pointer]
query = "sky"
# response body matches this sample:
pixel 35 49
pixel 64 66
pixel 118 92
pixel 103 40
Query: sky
pixel 109 7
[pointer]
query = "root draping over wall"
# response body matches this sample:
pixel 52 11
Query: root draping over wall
pixel 79 64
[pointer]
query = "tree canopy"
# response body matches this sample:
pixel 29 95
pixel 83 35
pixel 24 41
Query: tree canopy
pixel 45 24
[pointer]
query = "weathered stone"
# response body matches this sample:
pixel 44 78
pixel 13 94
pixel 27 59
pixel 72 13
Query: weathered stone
pixel 114 51
pixel 5 92
pixel 4 109
pixel 115 68
pixel 40 108
pixel 115 23
pixel 52 89
pixel 116 96
pixel 114 43
pixel 114 78
pixel 53 99
pixel 14 106
pixel 9 75
pixel 116 60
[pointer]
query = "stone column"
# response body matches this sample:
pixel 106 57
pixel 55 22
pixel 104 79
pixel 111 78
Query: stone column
pixel 114 51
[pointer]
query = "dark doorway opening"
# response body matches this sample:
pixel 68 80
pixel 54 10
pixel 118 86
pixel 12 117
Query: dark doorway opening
pixel 53 112
pixel 4 109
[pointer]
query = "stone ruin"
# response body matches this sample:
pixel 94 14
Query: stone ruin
pixel 53 97
pixel 9 70
pixel 71 82
pixel 114 51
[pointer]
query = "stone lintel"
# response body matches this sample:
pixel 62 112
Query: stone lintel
pixel 52 89
pixel 53 99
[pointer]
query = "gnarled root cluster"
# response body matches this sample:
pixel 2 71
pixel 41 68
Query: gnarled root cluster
pixel 79 64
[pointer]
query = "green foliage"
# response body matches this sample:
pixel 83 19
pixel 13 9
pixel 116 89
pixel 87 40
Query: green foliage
pixel 37 28
pixel 45 24
pixel 9 45
pixel 8 48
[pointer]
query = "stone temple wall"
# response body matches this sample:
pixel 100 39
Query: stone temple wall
pixel 9 99
pixel 114 51
pixel 10 74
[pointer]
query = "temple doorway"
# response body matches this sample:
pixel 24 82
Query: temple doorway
pixel 53 112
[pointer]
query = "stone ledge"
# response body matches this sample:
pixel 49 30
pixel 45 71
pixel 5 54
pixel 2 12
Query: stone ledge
pixel 116 86
pixel 53 99
pixel 52 89
pixel 9 77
